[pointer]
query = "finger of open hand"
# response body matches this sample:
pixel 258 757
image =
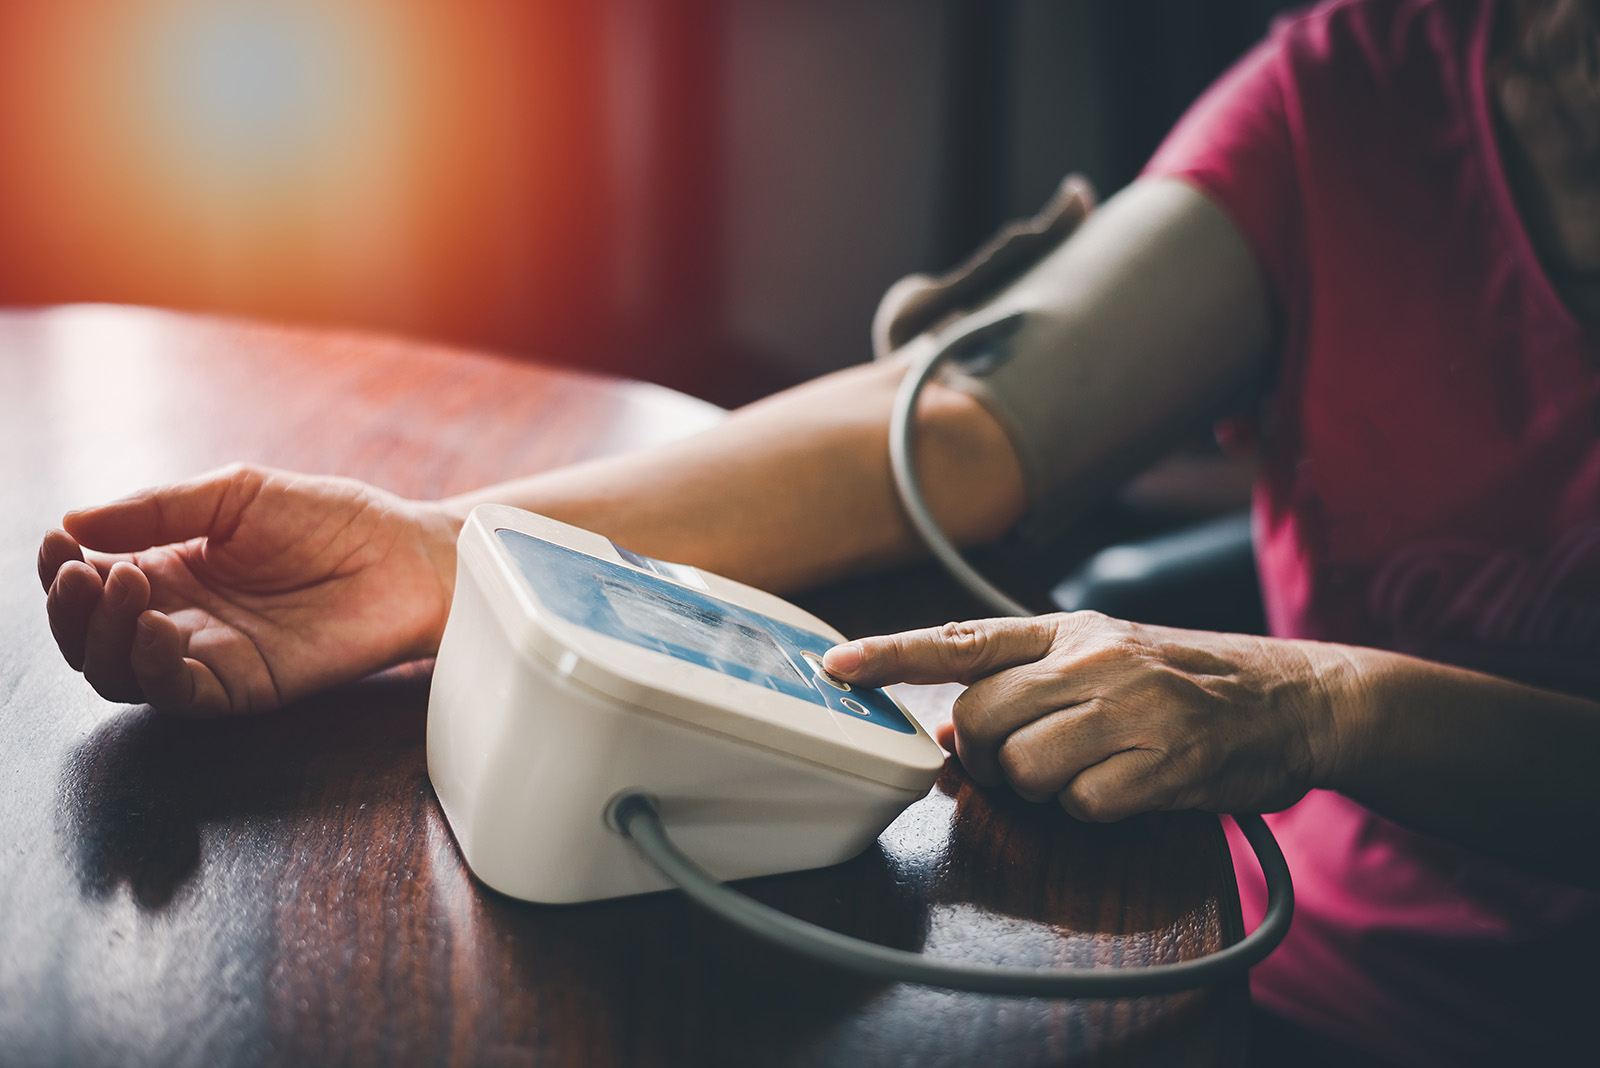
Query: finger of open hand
pixel 56 549
pixel 74 593
pixel 108 639
pixel 955 652
pixel 1122 785
pixel 171 681
pixel 205 505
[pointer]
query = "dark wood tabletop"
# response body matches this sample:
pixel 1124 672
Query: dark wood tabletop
pixel 284 890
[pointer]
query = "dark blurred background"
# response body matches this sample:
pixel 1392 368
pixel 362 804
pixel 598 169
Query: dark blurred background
pixel 711 194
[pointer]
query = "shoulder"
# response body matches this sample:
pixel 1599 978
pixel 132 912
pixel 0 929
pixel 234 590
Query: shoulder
pixel 1339 103
pixel 1400 56
pixel 1335 69
pixel 1377 38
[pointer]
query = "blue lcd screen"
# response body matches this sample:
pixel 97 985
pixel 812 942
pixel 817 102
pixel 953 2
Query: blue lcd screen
pixel 652 613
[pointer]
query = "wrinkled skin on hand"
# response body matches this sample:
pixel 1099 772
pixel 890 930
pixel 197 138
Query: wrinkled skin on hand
pixel 1115 718
pixel 245 588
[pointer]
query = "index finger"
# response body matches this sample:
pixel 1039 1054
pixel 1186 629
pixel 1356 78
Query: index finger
pixel 956 652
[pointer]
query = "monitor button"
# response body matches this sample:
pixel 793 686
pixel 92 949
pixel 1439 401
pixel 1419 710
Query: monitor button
pixel 822 673
pixel 855 706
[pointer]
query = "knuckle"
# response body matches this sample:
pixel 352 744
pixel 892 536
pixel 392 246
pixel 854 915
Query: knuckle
pixel 1108 641
pixel 970 715
pixel 1023 770
pixel 1170 685
pixel 963 638
pixel 1087 623
pixel 1090 801
pixel 963 648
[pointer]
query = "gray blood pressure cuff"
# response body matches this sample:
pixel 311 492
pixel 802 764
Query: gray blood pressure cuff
pixel 919 303
pixel 1142 321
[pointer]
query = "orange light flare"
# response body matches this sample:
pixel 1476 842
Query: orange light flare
pixel 431 166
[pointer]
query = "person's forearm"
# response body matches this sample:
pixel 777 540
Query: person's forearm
pixel 792 491
pixel 1500 767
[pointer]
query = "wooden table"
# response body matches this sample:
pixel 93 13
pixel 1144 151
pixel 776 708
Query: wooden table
pixel 283 890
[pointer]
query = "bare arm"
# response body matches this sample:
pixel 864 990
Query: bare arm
pixel 247 588
pixel 1500 767
pixel 793 490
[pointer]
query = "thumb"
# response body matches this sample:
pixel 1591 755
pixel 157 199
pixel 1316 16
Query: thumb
pixel 207 505
pixel 955 652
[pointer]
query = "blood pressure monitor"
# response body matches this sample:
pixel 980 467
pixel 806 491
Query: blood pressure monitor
pixel 572 670
pixel 604 724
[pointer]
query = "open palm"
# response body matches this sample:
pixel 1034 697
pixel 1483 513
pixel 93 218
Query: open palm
pixel 246 588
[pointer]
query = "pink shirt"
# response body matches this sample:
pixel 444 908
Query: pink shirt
pixel 1431 484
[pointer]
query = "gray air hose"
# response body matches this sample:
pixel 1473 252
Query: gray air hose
pixel 635 815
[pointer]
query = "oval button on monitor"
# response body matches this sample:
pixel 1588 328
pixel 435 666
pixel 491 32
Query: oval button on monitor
pixel 855 706
pixel 822 673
